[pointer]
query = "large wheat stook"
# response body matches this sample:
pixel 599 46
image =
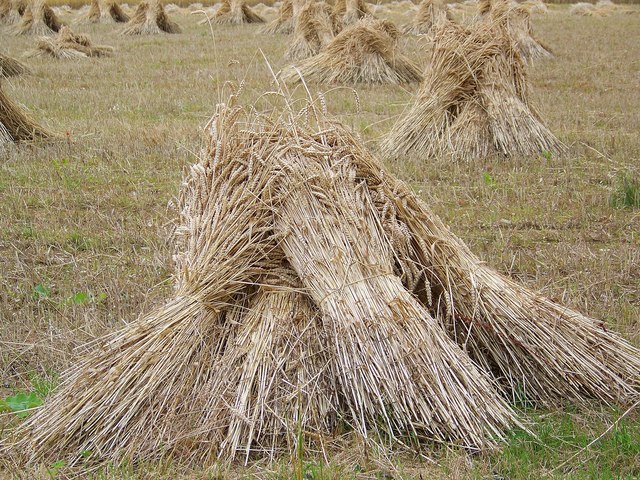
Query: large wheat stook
pixel 16 125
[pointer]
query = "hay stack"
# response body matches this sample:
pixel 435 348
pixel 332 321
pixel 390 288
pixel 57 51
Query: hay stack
pixel 473 102
pixel 16 126
pixel 348 12
pixel 314 290
pixel 10 12
pixel 365 53
pixel 603 8
pixel 284 23
pixel 69 45
pixel 150 19
pixel 430 13
pixel 38 19
pixel 236 12
pixel 314 30
pixel 107 12
pixel 10 67
pixel 516 21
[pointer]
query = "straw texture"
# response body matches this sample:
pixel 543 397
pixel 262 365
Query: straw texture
pixel 10 67
pixel 150 19
pixel 69 45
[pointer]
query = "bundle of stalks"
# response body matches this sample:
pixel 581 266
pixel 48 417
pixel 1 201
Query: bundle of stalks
pixel 313 31
pixel 365 53
pixel 9 12
pixel 38 19
pixel 287 317
pixel 430 13
pixel 536 6
pixel 516 21
pixel 69 45
pixel 106 13
pixel 473 102
pixel 284 23
pixel 603 8
pixel 236 12
pixel 150 19
pixel 16 126
pixel 348 12
pixel 10 67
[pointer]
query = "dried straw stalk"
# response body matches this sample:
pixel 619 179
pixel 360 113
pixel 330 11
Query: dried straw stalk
pixel 236 12
pixel 314 30
pixel 107 12
pixel 284 23
pixel 69 45
pixel 365 53
pixel 16 126
pixel 348 12
pixel 150 19
pixel 473 102
pixel 9 12
pixel 38 19
pixel 430 13
pixel 10 67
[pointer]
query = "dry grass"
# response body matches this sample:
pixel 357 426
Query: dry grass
pixel 88 215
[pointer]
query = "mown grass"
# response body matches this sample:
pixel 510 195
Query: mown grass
pixel 83 223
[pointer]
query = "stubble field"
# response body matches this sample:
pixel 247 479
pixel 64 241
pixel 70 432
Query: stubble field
pixel 84 240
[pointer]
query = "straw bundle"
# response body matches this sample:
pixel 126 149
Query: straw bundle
pixel 473 102
pixel 10 67
pixel 106 13
pixel 313 31
pixel 38 19
pixel 366 53
pixel 287 321
pixel 69 45
pixel 16 126
pixel 516 21
pixel 150 19
pixel 536 6
pixel 429 13
pixel 348 12
pixel 603 8
pixel 236 12
pixel 9 12
pixel 284 22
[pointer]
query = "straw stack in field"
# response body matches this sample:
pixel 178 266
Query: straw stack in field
pixel 473 102
pixel 10 67
pixel 348 12
pixel 515 19
pixel 69 45
pixel 364 53
pixel 314 290
pixel 284 23
pixel 236 12
pixel 38 19
pixel 16 126
pixel 150 19
pixel 9 12
pixel 313 31
pixel 602 8
pixel 106 12
pixel 430 13
pixel 536 6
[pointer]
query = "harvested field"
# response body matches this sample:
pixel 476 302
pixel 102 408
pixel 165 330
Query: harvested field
pixel 83 221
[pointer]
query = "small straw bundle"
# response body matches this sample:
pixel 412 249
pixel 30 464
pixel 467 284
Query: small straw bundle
pixel 69 45
pixel 150 19
pixel 603 8
pixel 365 53
pixel 473 102
pixel 38 19
pixel 236 12
pixel 430 13
pixel 16 126
pixel 313 31
pixel 106 13
pixel 10 67
pixel 9 12
pixel 516 21
pixel 284 23
pixel 348 12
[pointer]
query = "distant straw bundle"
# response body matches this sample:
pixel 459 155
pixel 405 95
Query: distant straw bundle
pixel 236 12
pixel 284 23
pixel 16 126
pixel 313 31
pixel 516 21
pixel 473 102
pixel 106 13
pixel 430 13
pixel 150 19
pixel 366 53
pixel 348 12
pixel 38 19
pixel 603 8
pixel 287 317
pixel 69 45
pixel 9 12
pixel 10 67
